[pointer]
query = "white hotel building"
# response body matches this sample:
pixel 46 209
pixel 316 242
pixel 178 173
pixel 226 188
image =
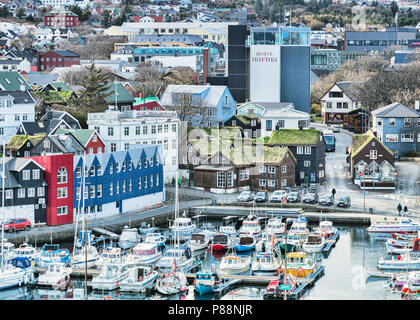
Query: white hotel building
pixel 124 130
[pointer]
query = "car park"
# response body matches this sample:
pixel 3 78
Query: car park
pixel 343 202
pixel 17 224
pixel 278 196
pixel 246 196
pixel 261 196
pixel 326 200
pixel 310 198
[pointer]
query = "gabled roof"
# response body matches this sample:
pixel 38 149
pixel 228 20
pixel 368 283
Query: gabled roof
pixel 123 95
pixel 65 53
pixel 81 135
pixel 362 140
pixel 11 81
pixel 396 110
pixel 32 127
pixel 211 98
pixel 293 137
pixel 345 87
pixel 18 140
pixel 18 96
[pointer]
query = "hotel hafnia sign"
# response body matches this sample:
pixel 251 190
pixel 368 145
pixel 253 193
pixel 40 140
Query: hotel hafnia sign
pixel 265 73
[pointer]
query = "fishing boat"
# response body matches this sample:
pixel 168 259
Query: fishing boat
pixel 183 227
pixel 52 253
pixel 15 273
pixel 299 228
pixel 221 242
pixel 287 245
pixel 314 243
pixel 403 262
pixel 405 236
pixel 139 278
pixel 57 276
pixel 146 229
pixel 8 248
pixel 84 259
pixel 279 288
pixel 399 280
pixel 170 283
pixel 275 226
pixel 199 241
pixel 155 238
pixel 144 254
pixel 91 240
pixel 110 255
pixel 265 262
pixel 250 226
pixel 268 241
pixel 326 229
pixel 129 238
pixel 178 255
pixel 228 230
pixel 246 243
pixel 298 264
pixel 26 251
pixel 394 226
pixel 206 282
pixel 110 276
pixel 233 264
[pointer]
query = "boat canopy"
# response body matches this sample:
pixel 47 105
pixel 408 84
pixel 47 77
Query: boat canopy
pixel 198 237
pixel 246 240
pixel 21 262
pixel 220 238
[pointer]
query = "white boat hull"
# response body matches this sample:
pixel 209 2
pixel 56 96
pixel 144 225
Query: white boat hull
pixel 10 279
pixel 128 285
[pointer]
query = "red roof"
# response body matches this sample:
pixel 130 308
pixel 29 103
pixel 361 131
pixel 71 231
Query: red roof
pixel 156 18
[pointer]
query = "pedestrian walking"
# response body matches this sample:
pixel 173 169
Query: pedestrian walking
pixel 333 192
pixel 405 210
pixel 399 208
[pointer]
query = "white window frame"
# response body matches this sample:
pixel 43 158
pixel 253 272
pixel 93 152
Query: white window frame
pixel 299 150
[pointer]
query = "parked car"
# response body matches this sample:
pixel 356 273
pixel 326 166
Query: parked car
pixel 261 196
pixel 326 200
pixel 312 189
pixel 246 196
pixel 343 202
pixel 310 198
pixel 17 224
pixel 293 196
pixel 278 196
pixel 335 128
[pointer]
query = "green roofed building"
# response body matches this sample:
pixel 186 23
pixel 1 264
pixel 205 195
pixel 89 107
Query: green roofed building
pixel 13 81
pixel 308 147
pixel 119 96
pixel 21 145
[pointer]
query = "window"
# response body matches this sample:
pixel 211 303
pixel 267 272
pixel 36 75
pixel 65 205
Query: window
pixel 159 128
pixel 329 105
pixel 130 185
pixel 26 174
pixel 379 122
pixel 220 179
pixel 271 169
pixel 391 137
pixel 94 138
pixel 144 129
pixel 124 167
pixel 151 181
pixel 62 175
pixel 271 183
pixel 99 191
pixel 233 123
pixel 345 105
pixel 110 131
pixel 78 193
pixel 139 184
pixel 339 105
pixel 262 182
pixel 391 121
pixel 111 189
pixel 92 171
pixel 21 193
pixel 61 211
pixel 123 186
pixel 157 179
pixel 283 182
pixel 117 188
pixel 299 150
pixel 407 137
pixel 373 154
pixel 61 193
pixel 85 192
pixel 244 174
pixel 174 143
pixel 78 172
pixel 41 191
pixel 153 129
pixel 174 127
pixel 145 163
pixel 137 130
pixel 268 125
pixel 283 169
pixel 98 170
pixel 306 163
pixel 126 146
pixel 145 182
pixel 46 144
pixel 407 122
pixel 9 194
pixel 166 128
pixel 113 147
pixel 307 150
pixel 111 168
pixel 262 169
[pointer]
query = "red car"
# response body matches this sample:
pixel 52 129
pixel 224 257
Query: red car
pixel 17 224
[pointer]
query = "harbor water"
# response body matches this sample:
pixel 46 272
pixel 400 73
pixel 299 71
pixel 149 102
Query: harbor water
pixel 344 278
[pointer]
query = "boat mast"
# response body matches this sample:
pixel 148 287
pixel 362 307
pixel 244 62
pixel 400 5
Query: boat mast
pixel 86 296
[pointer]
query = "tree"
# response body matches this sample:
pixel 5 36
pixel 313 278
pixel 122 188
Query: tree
pixel 106 21
pixel 20 12
pixel 95 85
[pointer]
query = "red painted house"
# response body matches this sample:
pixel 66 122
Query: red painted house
pixel 59 176
pixel 61 19
pixel 148 103
pixel 89 139
pixel 57 58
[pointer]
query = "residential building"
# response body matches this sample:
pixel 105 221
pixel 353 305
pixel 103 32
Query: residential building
pixel 279 59
pixel 89 139
pixel 130 129
pixel 57 119
pixel 61 19
pixel 249 123
pixel 206 106
pixel 57 58
pixel 398 127
pixel 338 101
pixel 13 81
pixel 371 163
pixel 147 103
pixel 308 147
pixel 17 64
pixel 118 182
pixel 155 40
pixel 25 190
pixel 119 97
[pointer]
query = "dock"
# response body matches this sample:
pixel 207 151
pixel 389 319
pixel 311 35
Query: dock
pixel 244 279
pixel 306 282
pixel 330 243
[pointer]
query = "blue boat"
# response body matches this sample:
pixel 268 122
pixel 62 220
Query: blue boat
pixel 206 282
pixel 52 253
pixel 246 243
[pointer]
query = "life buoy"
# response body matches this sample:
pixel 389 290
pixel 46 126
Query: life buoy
pixel 283 201
pixel 107 298
pixel 324 233
pixel 299 270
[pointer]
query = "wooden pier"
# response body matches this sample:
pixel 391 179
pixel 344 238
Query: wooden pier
pixel 330 243
pixel 303 284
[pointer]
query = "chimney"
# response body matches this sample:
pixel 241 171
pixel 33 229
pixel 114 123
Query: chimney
pixel 417 105
pixel 205 64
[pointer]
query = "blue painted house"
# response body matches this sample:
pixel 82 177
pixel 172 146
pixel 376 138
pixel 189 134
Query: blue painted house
pixel 201 105
pixel 398 128
pixel 117 182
